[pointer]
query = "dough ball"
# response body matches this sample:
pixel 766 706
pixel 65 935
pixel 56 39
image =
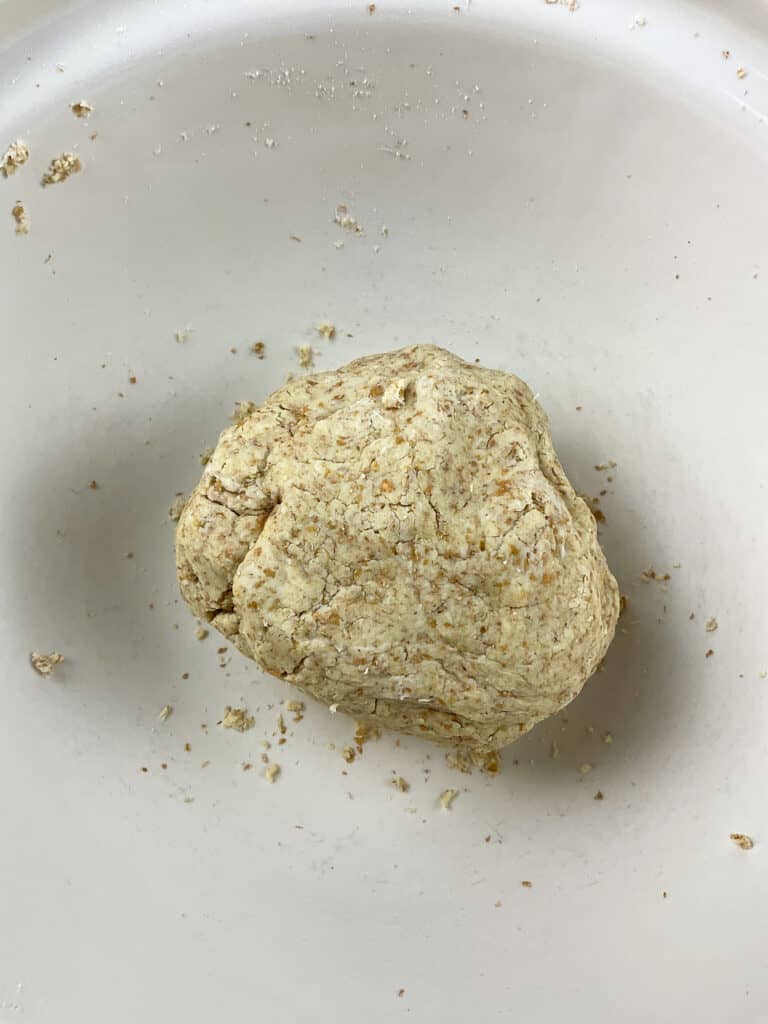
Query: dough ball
pixel 398 538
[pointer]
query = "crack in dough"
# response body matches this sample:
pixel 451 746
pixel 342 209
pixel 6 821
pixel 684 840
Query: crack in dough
pixel 398 538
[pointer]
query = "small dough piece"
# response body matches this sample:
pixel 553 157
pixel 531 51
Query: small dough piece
pixel 398 538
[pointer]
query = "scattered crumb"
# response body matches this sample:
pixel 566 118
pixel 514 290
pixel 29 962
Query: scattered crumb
pixel 15 156
pixel 81 109
pixel 282 728
pixel 61 168
pixel 400 783
pixel 306 357
pixel 165 712
pixel 44 664
pixel 709 653
pixel 400 992
pixel 237 718
pixel 205 455
pixel 623 604
pixel 711 625
pixel 271 772
pixel 258 349
pixel 372 10
pixel 447 797
pixel 554 750
pixel 600 467
pixel 742 841
pixel 344 219
pixel 177 507
pixel 489 763
pixel 348 753
pixel 365 732
pixel 725 54
pixel 638 21
pixel 526 884
pixel 497 903
pixel 607 737
pixel 93 486
pixel 598 795
pixel 182 335
pixel 465 761
pixel 19 214
pixel 648 575
pixel 241 412
pixel 664 893
pixel 188 747
pixel 741 72
pixel 585 768
pixel 246 766
pixel 327 329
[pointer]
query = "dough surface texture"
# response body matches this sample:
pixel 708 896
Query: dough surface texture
pixel 398 538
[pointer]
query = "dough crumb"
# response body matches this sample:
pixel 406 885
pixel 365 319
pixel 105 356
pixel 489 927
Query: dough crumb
pixel 349 755
pixel 19 214
pixel 741 72
pixel 61 168
pixel 393 396
pixel 364 733
pixel 742 841
pixel 602 466
pixel 306 357
pixel 598 795
pixel 344 219
pixel 81 109
pixel 585 768
pixel 271 772
pixel 607 737
pixel 44 664
pixel 15 156
pixel 401 784
pixel 327 330
pixel 294 705
pixel 447 797
pixel 650 575
pixel 526 884
pixel 177 507
pixel 165 712
pixel 241 412
pixel 258 349
pixel 201 632
pixel 466 761
pixel 711 625
pixel 238 719
pixel 182 335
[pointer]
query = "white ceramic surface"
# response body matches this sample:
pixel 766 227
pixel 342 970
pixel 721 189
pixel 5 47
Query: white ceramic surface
pixel 597 222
